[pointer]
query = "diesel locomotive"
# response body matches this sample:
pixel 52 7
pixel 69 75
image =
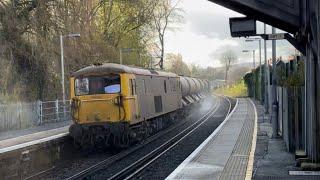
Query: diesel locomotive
pixel 115 105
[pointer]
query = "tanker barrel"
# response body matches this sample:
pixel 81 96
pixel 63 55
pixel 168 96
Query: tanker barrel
pixel 197 85
pixel 185 86
pixel 193 86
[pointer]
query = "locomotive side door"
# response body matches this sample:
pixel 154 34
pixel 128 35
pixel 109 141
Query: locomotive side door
pixel 142 98
pixel 131 102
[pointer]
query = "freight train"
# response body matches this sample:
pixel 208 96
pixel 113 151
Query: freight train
pixel 115 105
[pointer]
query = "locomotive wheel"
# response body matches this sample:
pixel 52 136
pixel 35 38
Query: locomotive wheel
pixel 121 142
pixel 160 124
pixel 76 144
pixel 99 143
pixel 125 139
pixel 99 137
pixel 150 130
pixel 115 141
pixel 107 139
pixel 86 142
pixel 147 129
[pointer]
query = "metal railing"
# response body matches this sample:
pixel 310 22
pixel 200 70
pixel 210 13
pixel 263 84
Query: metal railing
pixel 17 116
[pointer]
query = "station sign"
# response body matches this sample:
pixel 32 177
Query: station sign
pixel 242 26
pixel 277 36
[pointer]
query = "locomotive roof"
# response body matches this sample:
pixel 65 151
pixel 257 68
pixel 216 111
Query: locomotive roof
pixel 119 68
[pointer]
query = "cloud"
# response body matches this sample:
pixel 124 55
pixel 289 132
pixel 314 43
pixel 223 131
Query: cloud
pixel 196 48
pixel 210 25
pixel 219 51
pixel 205 34
pixel 207 18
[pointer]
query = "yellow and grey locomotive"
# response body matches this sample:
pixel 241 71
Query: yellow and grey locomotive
pixel 113 104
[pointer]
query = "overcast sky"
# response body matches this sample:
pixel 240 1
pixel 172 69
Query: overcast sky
pixel 205 34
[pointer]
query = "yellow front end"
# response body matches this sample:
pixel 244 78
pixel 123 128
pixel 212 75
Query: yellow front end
pixel 101 108
pixel 97 109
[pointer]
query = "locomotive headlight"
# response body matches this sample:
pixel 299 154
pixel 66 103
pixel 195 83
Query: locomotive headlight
pixel 118 100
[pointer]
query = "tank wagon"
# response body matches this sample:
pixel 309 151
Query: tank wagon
pixel 113 104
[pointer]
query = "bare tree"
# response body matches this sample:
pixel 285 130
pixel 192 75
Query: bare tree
pixel 165 14
pixel 228 58
pixel 176 65
pixel 121 19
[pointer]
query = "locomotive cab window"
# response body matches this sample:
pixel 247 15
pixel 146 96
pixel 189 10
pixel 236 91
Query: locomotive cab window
pixel 97 85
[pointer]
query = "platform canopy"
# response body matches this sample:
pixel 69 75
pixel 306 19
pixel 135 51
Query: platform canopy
pixel 283 14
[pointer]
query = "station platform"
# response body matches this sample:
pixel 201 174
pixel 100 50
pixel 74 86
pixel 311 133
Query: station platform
pixel 14 140
pixel 228 153
pixel 30 151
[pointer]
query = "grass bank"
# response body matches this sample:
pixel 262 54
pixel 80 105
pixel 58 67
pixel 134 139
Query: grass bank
pixel 237 90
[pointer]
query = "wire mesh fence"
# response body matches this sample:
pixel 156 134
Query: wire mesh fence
pixel 17 116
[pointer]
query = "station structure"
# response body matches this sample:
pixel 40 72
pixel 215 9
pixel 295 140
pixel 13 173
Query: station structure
pixel 300 18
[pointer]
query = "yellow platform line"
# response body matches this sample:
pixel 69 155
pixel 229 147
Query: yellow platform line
pixel 253 145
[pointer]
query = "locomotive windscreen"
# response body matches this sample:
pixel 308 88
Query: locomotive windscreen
pixel 97 85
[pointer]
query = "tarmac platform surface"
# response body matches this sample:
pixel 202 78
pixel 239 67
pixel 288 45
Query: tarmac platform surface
pixel 10 141
pixel 228 153
pixel 272 159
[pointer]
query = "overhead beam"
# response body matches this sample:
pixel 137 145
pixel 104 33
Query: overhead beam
pixel 283 14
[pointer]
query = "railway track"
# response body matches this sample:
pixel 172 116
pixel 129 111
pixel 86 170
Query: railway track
pixel 123 154
pixel 134 168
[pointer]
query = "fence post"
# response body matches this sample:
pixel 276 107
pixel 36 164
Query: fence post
pixel 39 112
pixel 57 109
pixel 2 118
pixel 19 114
pixel 64 111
